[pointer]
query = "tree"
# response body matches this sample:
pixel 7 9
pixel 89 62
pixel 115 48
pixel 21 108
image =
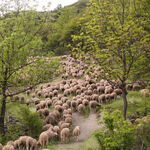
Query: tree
pixel 115 39
pixel 20 67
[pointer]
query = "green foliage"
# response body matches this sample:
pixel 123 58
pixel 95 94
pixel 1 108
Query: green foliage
pixel 14 132
pixel 32 120
pixel 115 38
pixel 143 138
pixel 118 135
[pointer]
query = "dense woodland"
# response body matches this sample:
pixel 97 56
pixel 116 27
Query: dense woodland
pixel 91 56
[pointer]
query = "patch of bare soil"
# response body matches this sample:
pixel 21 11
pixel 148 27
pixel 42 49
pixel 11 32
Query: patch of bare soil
pixel 87 127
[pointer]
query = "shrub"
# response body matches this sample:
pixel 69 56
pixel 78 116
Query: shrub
pixel 118 134
pixel 32 120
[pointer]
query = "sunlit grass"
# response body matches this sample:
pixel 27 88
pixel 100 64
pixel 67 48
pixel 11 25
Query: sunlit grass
pixel 137 104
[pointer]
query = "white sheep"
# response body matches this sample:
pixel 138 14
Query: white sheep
pixel 64 135
pixel 76 132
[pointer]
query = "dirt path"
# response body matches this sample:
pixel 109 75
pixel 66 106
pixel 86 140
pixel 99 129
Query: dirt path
pixel 87 126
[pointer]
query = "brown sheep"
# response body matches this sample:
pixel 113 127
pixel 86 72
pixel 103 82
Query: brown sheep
pixel 136 86
pixel 50 119
pixel 22 141
pixel 101 89
pixel 28 102
pixel 16 144
pixel 64 135
pixel 43 139
pixel 76 132
pixel 45 112
pixel 93 105
pixel 51 135
pixel 1 146
pixel 64 125
pixel 145 92
pixel 68 120
pixel 16 98
pixel 108 90
pixel 59 108
pixel 118 91
pixel 22 99
pixel 85 102
pixel 129 86
pixel 47 126
pixel 102 99
pixel 8 147
pixel 48 103
pixel 31 144
pixel 81 108
pixel 74 105
pixel 11 143
pixel 56 129
pixel 113 96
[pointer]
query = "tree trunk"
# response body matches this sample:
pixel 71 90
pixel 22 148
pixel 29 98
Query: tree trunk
pixel 2 118
pixel 124 94
pixel 2 113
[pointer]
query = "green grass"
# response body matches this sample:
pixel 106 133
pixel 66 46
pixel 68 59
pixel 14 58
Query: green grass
pixel 137 105
pixel 90 144
pixel 86 112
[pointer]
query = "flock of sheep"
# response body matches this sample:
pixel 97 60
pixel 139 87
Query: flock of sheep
pixel 58 124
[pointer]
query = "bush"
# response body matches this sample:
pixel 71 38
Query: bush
pixel 118 134
pixel 32 120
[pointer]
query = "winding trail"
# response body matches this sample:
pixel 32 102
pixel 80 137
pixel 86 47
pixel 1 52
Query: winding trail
pixel 87 127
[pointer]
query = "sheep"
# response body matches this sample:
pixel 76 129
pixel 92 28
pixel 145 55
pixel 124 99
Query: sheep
pixel 113 95
pixel 11 143
pixel 56 129
pixel 74 105
pixel 43 139
pixel 50 119
pixel 36 101
pixel 51 135
pixel 129 86
pixel 65 106
pixel 22 99
pixel 28 102
pixel 48 103
pixel 22 141
pixel 101 89
pixel 31 144
pixel 39 93
pixel 76 132
pixel 68 102
pixel 16 144
pixel 59 108
pixel 1 146
pixel 45 112
pixel 47 126
pixel 145 92
pixel 136 87
pixel 60 123
pixel 81 108
pixel 46 95
pixel 16 98
pixel 108 89
pixel 68 120
pixel 8 147
pixel 93 105
pixel 28 92
pixel 64 135
pixel 40 111
pixel 102 98
pixel 64 125
pixel 118 91
pixel 79 101
pixel 85 102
